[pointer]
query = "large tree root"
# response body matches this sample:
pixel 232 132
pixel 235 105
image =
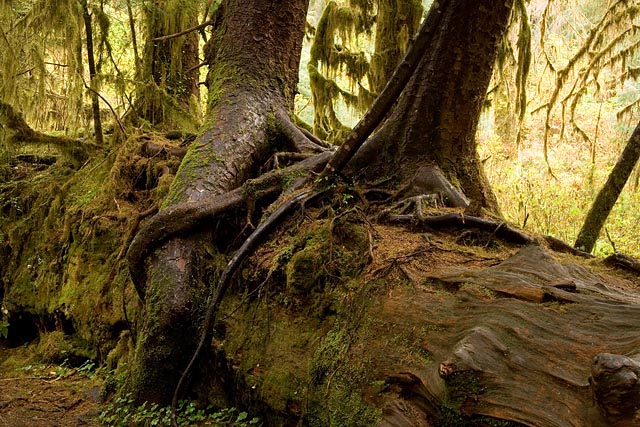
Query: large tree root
pixel 225 279
pixel 500 229
pixel 186 216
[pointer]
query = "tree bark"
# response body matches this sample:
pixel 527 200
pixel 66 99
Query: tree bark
pixel 254 58
pixel 609 193
pixel 436 118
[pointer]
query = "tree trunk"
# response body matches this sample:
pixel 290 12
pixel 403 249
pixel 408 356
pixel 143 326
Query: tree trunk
pixel 436 118
pixel 95 103
pixel 396 22
pixel 254 58
pixel 169 92
pixel 609 194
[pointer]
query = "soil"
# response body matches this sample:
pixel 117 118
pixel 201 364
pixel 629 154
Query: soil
pixel 37 395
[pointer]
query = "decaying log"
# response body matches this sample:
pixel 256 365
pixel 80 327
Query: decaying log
pixel 511 350
pixel 615 381
pixel 21 132
pixel 624 262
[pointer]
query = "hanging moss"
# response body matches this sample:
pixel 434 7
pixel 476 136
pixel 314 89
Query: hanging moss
pixel 29 78
pixel 336 51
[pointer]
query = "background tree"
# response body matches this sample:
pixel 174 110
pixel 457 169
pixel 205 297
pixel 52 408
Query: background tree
pixel 435 126
pixel 168 82
pixel 609 194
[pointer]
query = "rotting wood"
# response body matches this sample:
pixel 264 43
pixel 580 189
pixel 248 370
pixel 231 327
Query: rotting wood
pixel 624 262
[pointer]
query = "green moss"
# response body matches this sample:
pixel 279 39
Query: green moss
pixel 462 386
pixel 304 270
pixel 335 375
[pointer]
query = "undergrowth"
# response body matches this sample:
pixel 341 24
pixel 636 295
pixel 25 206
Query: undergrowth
pixel 554 198
pixel 123 412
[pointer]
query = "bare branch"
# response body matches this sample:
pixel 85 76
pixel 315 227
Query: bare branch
pixel 185 32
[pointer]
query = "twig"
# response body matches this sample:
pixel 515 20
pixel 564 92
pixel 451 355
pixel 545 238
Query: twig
pixel 611 242
pixel 182 33
pixel 506 232
pixel 115 115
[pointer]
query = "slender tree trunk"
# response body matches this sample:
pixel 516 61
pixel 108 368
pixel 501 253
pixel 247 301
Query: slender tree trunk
pixel 609 194
pixel 436 118
pixel 95 102
pixel 254 59
pixel 134 40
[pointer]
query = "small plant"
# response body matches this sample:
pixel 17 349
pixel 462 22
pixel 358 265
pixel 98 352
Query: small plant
pixel 123 412
pixel 4 329
pixel 87 369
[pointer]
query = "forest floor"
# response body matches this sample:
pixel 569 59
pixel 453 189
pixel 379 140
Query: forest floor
pixel 38 395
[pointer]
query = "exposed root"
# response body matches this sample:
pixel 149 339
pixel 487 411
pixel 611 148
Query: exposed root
pixel 275 161
pixel 128 238
pixel 185 216
pixel 225 279
pixel 295 135
pixel 412 203
pixel 500 229
pixel 315 139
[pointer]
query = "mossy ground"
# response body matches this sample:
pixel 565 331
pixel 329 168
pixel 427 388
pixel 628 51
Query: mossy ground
pixel 62 232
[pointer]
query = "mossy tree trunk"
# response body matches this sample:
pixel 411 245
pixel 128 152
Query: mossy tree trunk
pixel 436 118
pixel 609 194
pixel 168 90
pixel 254 58
pixel 396 22
pixel 95 103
